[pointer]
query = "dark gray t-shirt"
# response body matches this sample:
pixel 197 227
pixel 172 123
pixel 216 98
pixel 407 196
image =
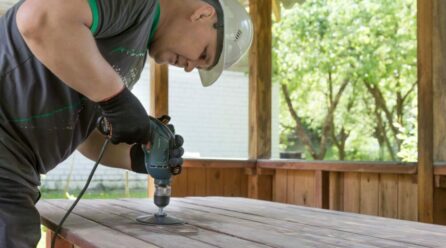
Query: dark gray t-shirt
pixel 42 120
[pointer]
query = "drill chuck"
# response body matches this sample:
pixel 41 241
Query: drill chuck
pixel 162 195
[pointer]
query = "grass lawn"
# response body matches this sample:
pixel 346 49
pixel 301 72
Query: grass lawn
pixel 95 194
pixel 90 194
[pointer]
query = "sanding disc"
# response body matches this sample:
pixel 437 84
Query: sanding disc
pixel 159 220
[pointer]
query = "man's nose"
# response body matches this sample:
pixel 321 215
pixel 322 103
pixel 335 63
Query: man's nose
pixel 190 65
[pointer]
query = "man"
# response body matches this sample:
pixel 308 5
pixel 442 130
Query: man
pixel 63 64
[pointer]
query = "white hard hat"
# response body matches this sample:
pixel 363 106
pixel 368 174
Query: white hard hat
pixel 235 38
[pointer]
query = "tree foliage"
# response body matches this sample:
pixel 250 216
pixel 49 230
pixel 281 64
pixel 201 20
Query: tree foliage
pixel 347 71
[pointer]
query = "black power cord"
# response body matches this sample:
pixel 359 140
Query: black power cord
pixel 59 227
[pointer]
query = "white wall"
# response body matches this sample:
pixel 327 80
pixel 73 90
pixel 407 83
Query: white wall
pixel 212 120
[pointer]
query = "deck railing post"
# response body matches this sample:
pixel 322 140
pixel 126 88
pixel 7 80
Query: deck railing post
pixel 260 61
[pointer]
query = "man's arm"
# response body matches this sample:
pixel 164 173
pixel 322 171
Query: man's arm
pixel 117 156
pixel 58 34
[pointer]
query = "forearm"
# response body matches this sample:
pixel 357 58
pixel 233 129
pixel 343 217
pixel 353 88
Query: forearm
pixel 117 156
pixel 58 34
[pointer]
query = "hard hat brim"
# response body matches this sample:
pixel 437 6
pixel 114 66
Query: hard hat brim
pixel 208 77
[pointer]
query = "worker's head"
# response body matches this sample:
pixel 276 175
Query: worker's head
pixel 210 35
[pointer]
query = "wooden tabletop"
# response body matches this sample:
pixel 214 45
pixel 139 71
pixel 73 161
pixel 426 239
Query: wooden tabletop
pixel 232 222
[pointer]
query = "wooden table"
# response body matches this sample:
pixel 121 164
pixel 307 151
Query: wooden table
pixel 232 222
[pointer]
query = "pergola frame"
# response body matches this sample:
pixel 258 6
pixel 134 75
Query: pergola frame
pixel 431 34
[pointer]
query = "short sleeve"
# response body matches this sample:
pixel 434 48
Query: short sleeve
pixel 111 17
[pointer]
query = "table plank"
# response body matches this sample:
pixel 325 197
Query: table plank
pixel 338 237
pixel 83 232
pixel 234 222
pixel 413 233
pixel 241 228
pixel 112 214
pixel 333 236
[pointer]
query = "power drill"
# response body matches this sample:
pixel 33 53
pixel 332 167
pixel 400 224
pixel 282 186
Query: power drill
pixel 157 165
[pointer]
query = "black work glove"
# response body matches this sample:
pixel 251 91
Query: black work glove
pixel 127 119
pixel 137 154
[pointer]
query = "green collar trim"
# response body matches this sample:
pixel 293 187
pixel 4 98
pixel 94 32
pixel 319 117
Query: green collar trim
pixel 95 13
pixel 156 19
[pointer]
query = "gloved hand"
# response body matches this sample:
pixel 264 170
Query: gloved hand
pixel 128 120
pixel 158 128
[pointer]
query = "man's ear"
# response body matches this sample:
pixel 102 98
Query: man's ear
pixel 203 13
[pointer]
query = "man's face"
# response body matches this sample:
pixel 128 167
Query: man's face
pixel 189 43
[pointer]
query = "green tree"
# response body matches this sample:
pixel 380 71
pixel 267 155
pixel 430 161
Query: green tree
pixel 347 71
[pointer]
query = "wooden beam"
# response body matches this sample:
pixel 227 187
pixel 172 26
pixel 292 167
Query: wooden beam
pixel 440 182
pixel 260 60
pixel 440 170
pixel 218 163
pixel 276 10
pixel 159 89
pixel 439 106
pixel 341 166
pixel 425 110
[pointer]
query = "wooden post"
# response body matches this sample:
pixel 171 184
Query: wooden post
pixel 159 89
pixel 260 60
pixel 425 110
pixel 439 103
pixel 159 100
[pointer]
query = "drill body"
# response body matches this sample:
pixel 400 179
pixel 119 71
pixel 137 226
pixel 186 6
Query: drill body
pixel 157 164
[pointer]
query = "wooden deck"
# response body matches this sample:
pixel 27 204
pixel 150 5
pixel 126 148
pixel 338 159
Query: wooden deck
pixel 232 222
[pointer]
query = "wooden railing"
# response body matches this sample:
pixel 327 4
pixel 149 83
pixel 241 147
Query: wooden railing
pixel 341 166
pixel 387 189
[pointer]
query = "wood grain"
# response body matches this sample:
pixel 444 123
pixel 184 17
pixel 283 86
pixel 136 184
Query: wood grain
pixel 280 186
pixel 411 233
pixel 425 38
pixel 439 103
pixel 179 184
pixel 336 189
pixel 232 222
pixel 340 166
pixel 84 232
pixel 232 182
pixel 291 196
pixel 159 89
pixel 304 186
pixel 407 198
pixel 260 71
pixel 388 195
pixel 369 195
pixel 352 193
pixel 218 163
pixel 214 182
pixel 196 182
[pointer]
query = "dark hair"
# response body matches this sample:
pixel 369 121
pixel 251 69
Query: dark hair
pixel 219 26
